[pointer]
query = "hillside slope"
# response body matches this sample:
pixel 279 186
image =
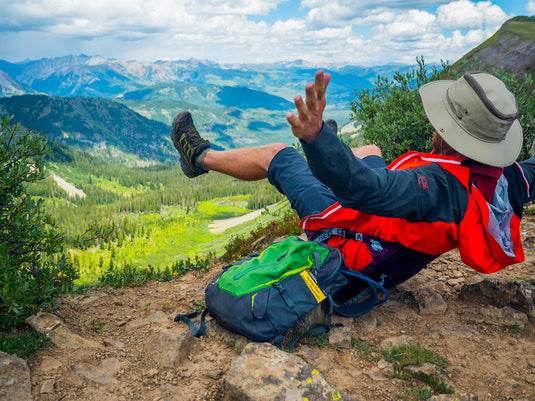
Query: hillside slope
pixel 511 47
pixel 98 125
pixel 210 96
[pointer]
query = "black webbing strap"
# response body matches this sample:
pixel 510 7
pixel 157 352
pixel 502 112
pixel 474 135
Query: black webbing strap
pixel 325 234
pixel 195 332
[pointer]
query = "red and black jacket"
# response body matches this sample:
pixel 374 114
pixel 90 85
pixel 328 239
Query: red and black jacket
pixel 475 234
pixel 426 203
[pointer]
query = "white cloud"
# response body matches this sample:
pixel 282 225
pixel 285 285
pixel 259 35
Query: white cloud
pixel 288 28
pixel 531 7
pixel 364 31
pixel 466 14
pixel 406 26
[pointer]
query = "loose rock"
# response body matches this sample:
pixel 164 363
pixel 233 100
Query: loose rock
pixel 60 335
pixel 430 302
pixel 379 371
pixel 15 384
pixel 102 374
pixel 505 316
pixel 169 349
pixel 494 291
pixel 263 372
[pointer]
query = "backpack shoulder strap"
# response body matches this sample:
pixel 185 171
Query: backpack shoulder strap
pixel 364 301
pixel 195 332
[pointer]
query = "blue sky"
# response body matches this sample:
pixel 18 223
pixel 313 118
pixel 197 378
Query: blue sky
pixel 362 32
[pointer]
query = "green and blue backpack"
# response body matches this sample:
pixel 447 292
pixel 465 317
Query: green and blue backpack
pixel 264 295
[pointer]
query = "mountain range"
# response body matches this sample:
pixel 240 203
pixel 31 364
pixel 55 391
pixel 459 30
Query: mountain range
pixel 124 109
pixel 233 105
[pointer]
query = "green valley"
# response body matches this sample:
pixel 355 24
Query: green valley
pixel 145 216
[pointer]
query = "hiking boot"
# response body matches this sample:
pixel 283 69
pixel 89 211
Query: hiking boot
pixel 332 125
pixel 189 144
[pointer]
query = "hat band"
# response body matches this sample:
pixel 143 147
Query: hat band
pixel 475 131
pixel 480 92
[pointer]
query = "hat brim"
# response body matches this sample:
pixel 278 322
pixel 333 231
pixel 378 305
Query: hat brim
pixel 498 154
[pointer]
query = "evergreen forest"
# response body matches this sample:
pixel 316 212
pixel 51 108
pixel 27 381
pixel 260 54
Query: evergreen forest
pixel 140 216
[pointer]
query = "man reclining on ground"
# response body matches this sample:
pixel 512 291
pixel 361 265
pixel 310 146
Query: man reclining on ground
pixel 468 193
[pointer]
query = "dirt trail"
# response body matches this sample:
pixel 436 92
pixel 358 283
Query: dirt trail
pixel 218 226
pixel 71 190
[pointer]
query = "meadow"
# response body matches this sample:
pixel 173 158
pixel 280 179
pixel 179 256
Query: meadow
pixel 146 217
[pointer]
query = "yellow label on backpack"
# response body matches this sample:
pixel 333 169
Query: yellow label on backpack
pixel 313 286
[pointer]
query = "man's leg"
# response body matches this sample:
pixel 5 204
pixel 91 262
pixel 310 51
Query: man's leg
pixel 249 164
pixel 197 158
pixel 290 174
pixel 285 168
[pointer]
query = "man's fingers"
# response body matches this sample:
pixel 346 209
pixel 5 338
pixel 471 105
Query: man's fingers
pixel 292 119
pixel 320 84
pixel 311 96
pixel 302 109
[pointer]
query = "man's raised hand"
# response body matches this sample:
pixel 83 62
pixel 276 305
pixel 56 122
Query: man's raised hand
pixel 309 120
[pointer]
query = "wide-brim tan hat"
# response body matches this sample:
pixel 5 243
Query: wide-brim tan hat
pixel 477 116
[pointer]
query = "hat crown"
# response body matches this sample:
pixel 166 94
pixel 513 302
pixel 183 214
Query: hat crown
pixel 477 116
pixel 482 105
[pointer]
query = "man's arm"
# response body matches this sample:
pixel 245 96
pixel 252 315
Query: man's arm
pixel 426 194
pixel 377 191
pixel 309 120
pixel 521 177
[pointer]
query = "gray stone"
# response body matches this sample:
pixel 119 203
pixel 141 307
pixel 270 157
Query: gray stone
pixel 368 321
pixel 307 353
pixel 264 372
pixel 494 291
pixel 340 336
pixel 156 317
pixel 44 322
pixel 379 371
pixel 15 384
pixel 430 302
pixel 505 316
pixel 49 364
pixel 47 387
pixel 169 349
pixel 102 374
pixel 423 370
pixel 110 342
pixel 394 342
pixel 214 374
pixel 60 335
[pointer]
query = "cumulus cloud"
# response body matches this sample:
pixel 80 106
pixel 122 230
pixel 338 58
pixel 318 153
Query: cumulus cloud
pixel 406 26
pixel 531 7
pixel 466 14
pixel 364 31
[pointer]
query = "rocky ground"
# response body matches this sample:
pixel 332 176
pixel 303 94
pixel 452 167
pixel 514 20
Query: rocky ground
pixel 114 344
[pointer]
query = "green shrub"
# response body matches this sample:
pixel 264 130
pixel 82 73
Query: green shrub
pixel 33 268
pixel 392 115
pixel 24 344
pixel 239 246
pixel 405 355
pixel 131 276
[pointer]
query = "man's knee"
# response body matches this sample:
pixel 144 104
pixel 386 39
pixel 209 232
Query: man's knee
pixel 277 147
pixel 367 150
pixel 268 153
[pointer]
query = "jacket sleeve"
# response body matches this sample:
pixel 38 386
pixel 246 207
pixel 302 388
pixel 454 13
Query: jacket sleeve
pixel 521 178
pixel 426 193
